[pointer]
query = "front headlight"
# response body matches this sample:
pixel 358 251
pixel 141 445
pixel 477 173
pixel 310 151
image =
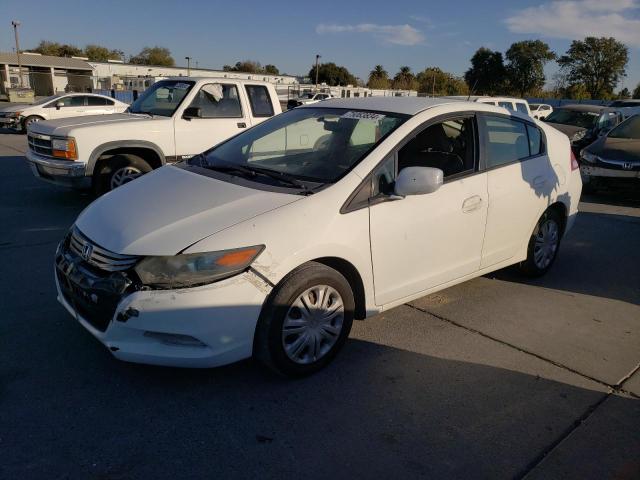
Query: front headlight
pixel 588 157
pixel 14 114
pixel 64 148
pixel 192 269
pixel 578 135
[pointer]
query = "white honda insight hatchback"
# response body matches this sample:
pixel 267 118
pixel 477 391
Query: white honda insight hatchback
pixel 271 243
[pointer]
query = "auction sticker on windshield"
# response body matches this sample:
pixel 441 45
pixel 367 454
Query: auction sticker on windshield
pixel 370 116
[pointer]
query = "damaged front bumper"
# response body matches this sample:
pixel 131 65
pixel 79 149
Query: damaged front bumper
pixel 205 326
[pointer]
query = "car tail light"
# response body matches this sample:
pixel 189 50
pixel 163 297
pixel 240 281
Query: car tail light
pixel 574 162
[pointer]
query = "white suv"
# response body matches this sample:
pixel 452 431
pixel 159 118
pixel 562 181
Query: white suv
pixel 19 117
pixel 269 243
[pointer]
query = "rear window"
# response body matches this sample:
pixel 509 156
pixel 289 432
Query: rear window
pixel 522 108
pixel 507 141
pixel 259 100
pixel 536 147
pixel 96 101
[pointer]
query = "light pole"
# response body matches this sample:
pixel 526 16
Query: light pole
pixel 188 59
pixel 317 58
pixel 16 24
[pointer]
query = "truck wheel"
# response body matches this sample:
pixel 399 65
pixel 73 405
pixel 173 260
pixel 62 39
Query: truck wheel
pixel 30 120
pixel 544 244
pixel 306 321
pixel 118 170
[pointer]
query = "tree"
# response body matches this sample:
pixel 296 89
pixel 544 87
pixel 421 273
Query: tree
pixel 378 78
pixel 271 70
pixel 487 74
pixel 525 65
pixel 624 94
pixel 597 63
pixel 98 53
pixel 636 92
pixel 154 56
pixel 405 79
pixel 434 81
pixel 332 75
pixel 57 50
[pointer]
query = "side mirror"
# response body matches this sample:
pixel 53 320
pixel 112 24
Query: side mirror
pixel 418 181
pixel 59 105
pixel 192 112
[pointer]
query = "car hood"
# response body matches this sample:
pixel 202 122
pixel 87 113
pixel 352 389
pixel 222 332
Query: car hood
pixel 568 130
pixel 15 108
pixel 621 149
pixel 171 208
pixel 61 126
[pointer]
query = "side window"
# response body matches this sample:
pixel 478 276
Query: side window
pixel 110 102
pixel 522 108
pixel 384 176
pixel 507 141
pixel 96 101
pixel 507 105
pixel 75 101
pixel 536 146
pixel 447 145
pixel 260 102
pixel 218 101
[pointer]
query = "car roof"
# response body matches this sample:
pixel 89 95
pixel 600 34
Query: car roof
pixel 477 98
pixel 402 105
pixel 219 79
pixel 582 107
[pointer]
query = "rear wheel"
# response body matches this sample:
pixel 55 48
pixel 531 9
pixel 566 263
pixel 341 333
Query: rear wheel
pixel 306 321
pixel 543 245
pixel 118 170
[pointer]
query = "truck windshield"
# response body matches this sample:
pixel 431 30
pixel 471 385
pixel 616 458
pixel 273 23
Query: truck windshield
pixel 162 98
pixel 317 145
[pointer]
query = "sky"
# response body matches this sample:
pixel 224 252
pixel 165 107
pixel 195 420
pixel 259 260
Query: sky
pixel 358 35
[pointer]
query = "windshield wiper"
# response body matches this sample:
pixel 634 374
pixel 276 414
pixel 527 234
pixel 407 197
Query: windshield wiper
pixel 253 171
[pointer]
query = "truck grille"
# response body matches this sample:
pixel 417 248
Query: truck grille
pixel 40 144
pixel 97 256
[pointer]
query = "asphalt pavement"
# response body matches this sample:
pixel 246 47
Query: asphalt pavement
pixel 499 377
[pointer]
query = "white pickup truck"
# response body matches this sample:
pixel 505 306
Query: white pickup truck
pixel 174 119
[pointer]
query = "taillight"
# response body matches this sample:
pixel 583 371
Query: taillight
pixel 574 162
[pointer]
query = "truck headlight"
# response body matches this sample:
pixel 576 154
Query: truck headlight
pixel 14 114
pixel 578 135
pixel 64 148
pixel 588 157
pixel 192 269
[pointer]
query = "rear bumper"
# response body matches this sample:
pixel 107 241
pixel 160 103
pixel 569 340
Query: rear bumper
pixel 59 172
pixel 589 171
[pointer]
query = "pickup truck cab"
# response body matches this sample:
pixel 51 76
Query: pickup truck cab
pixel 174 119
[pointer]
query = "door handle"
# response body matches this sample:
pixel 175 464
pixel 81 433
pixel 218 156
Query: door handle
pixel 471 204
pixel 242 125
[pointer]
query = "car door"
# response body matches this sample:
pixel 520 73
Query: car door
pixel 422 241
pixel 222 116
pixel 520 181
pixel 98 105
pixel 69 106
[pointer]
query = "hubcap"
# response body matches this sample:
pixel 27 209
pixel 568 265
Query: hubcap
pixel 313 324
pixel 124 175
pixel 546 243
pixel 32 120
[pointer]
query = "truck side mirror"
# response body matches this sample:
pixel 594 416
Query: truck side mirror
pixel 192 112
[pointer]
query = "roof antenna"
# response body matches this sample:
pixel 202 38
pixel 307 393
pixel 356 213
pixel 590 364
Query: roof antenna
pixel 473 89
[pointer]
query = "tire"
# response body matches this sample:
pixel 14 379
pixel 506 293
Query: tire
pixel 28 121
pixel 543 245
pixel 117 171
pixel 287 338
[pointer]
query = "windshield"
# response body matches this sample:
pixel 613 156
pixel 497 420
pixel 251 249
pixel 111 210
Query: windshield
pixel 574 118
pixel 42 101
pixel 318 145
pixel 162 98
pixel 630 128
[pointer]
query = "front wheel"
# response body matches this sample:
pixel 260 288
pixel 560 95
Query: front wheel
pixel 543 245
pixel 118 170
pixel 306 321
pixel 30 120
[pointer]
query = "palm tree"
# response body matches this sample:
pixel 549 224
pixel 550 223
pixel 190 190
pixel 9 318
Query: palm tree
pixel 378 78
pixel 404 79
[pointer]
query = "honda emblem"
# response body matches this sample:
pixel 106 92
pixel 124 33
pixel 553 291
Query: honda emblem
pixel 87 251
pixel 627 165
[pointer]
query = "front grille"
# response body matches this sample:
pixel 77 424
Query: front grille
pixel 97 256
pixel 40 144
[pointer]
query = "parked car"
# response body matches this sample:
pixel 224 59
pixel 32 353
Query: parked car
pixel 19 117
pixel 269 243
pixel 577 121
pixel 625 103
pixel 510 103
pixel 614 158
pixel 540 110
pixel 172 120
pixel 308 99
